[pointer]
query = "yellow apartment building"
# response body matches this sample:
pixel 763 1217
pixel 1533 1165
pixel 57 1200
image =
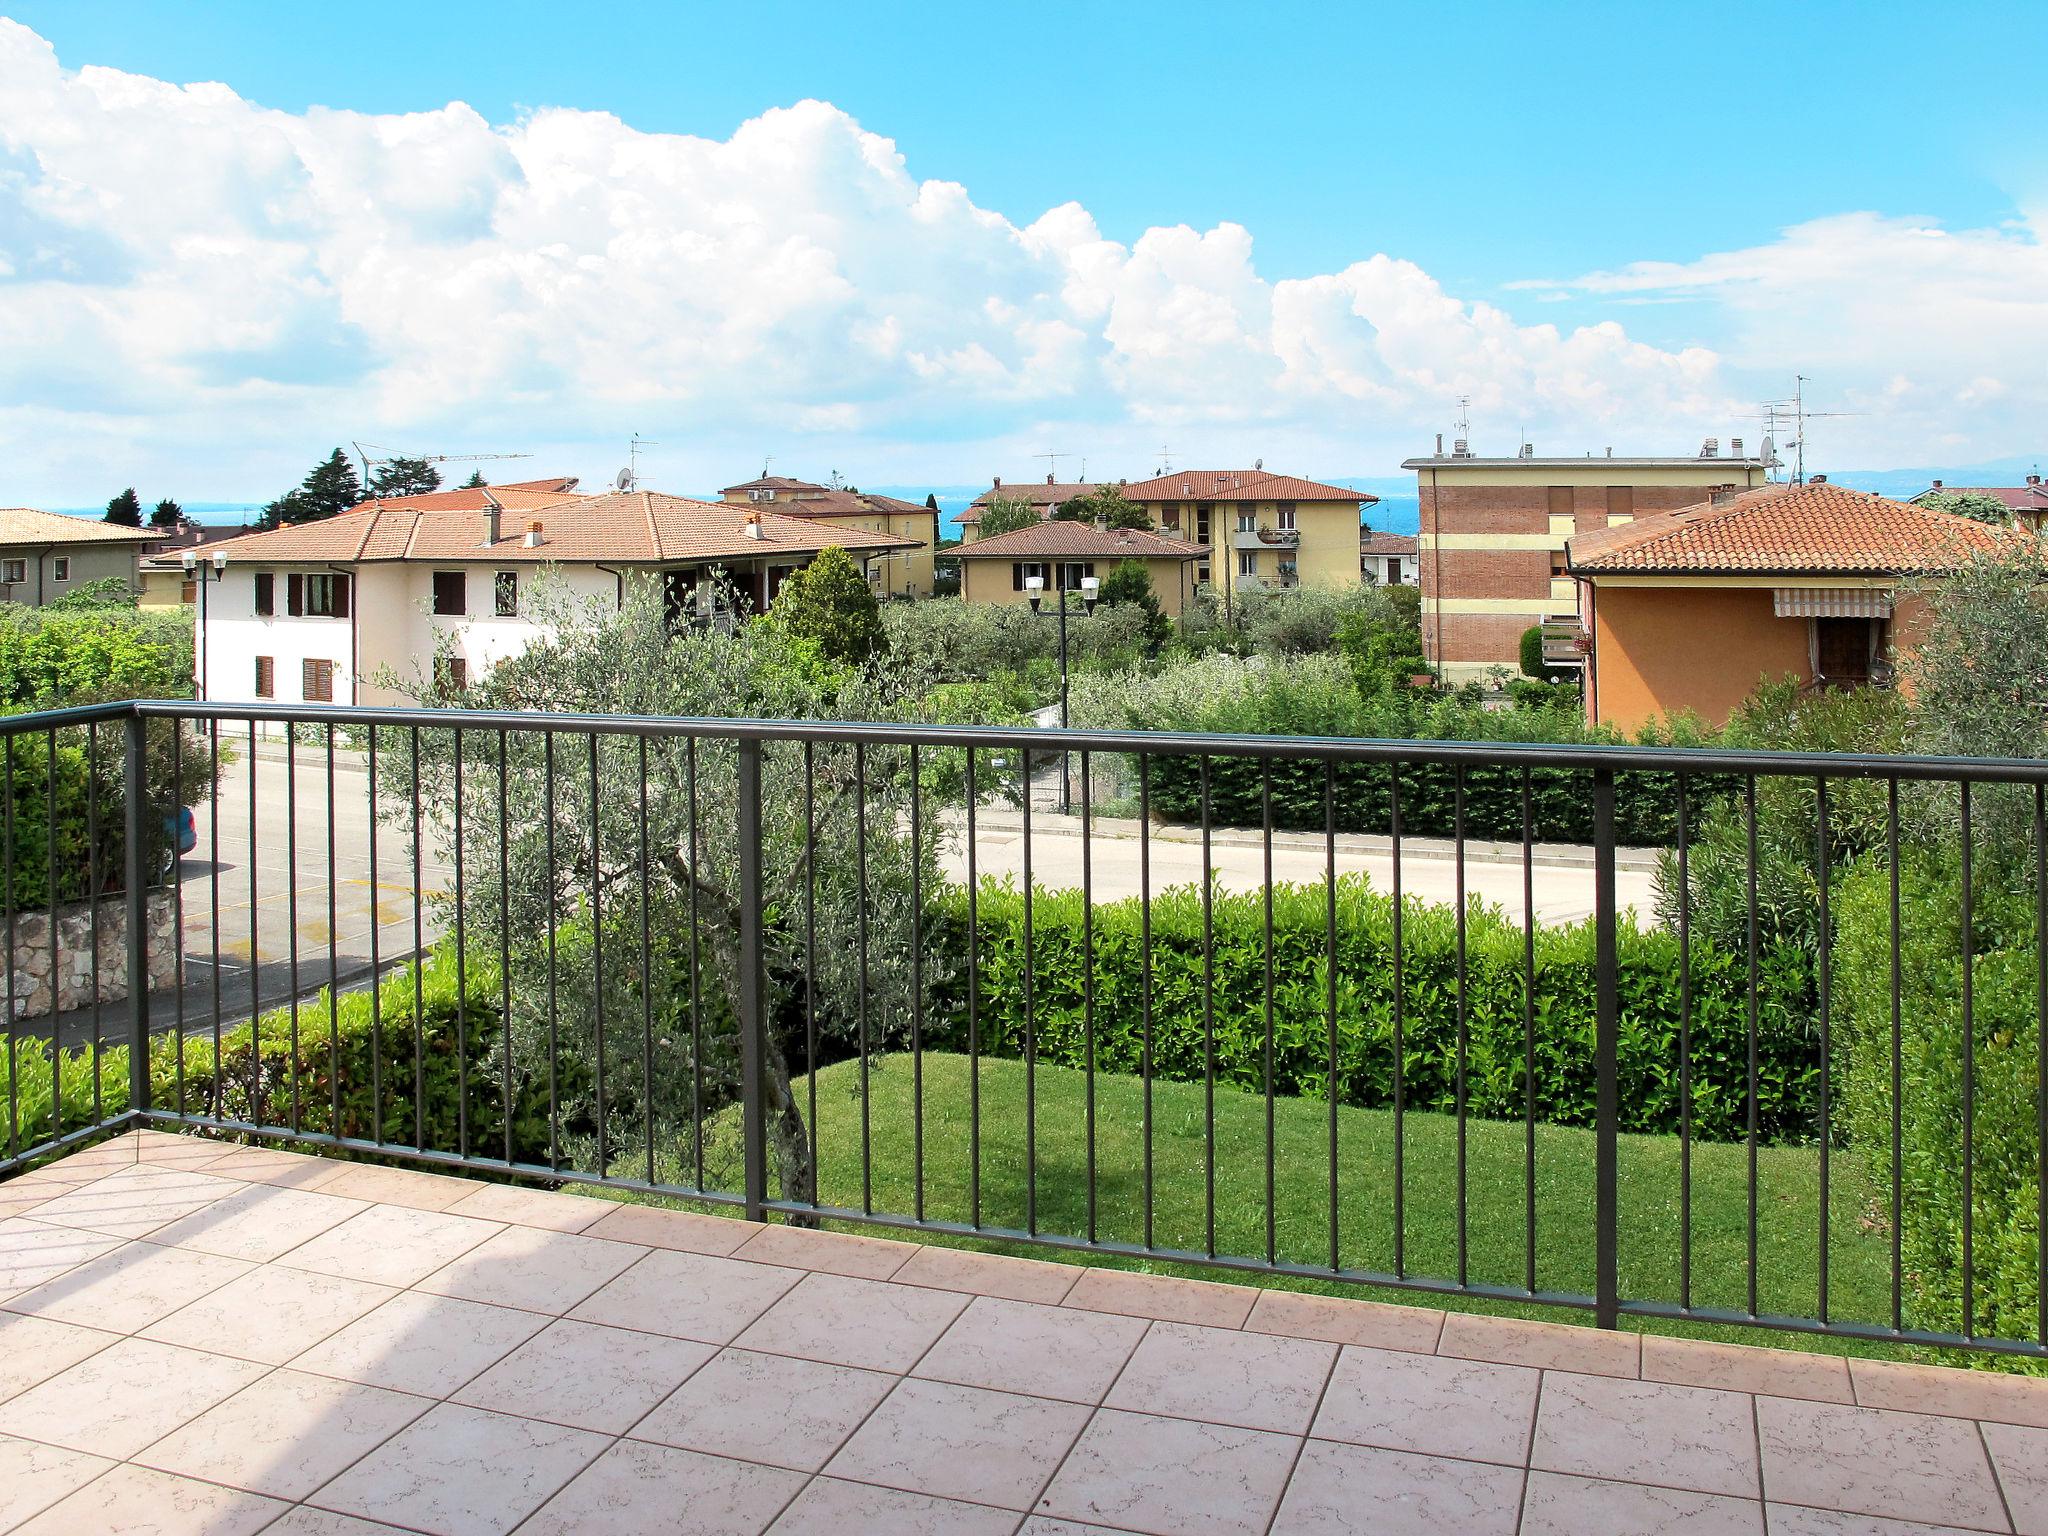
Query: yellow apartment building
pixel 907 573
pixel 1258 531
pixel 1062 555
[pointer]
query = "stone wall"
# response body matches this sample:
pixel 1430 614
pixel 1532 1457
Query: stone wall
pixel 75 944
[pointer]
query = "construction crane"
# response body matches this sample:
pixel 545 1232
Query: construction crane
pixel 362 453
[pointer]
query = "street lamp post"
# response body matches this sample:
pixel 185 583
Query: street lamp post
pixel 1035 586
pixel 195 571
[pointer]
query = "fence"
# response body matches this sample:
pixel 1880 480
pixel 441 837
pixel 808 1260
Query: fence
pixel 786 967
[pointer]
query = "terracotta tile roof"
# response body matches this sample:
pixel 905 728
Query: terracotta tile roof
pixel 1042 495
pixel 1815 529
pixel 2031 497
pixel 517 497
pixel 1387 544
pixel 1238 485
pixel 771 483
pixel 30 525
pixel 1059 540
pixel 804 498
pixel 167 550
pixel 620 527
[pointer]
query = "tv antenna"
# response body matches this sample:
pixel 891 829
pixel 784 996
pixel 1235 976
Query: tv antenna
pixel 1793 410
pixel 1052 463
pixel 1165 460
pixel 629 477
pixel 1464 418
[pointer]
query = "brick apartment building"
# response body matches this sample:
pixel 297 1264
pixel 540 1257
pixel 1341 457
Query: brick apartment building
pixel 1493 532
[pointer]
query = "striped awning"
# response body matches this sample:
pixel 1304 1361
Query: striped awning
pixel 1832 602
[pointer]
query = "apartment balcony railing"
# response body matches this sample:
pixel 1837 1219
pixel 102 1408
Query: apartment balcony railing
pixel 1792 1082
pixel 1266 537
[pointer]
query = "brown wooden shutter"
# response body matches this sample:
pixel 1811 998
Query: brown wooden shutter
pixel 295 594
pixel 266 677
pixel 316 683
pixel 266 594
pixel 341 595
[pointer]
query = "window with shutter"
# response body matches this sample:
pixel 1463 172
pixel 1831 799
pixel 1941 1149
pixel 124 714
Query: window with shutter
pixel 451 593
pixel 266 677
pixel 316 681
pixel 266 594
pixel 295 594
pixel 505 594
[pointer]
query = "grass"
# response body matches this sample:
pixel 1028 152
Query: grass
pixel 1787 1198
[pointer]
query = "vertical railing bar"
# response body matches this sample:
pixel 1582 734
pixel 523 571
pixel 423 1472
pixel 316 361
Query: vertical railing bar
pixel 1528 1034
pixel 462 976
pixel 1606 1052
pixel 174 827
pixel 917 978
pixel 1897 1063
pixel 1272 1190
pixel 136 772
pixel 1750 1032
pixel 2041 1063
pixel 597 954
pixel 291 904
pixel 1824 861
pixel 333 951
pixel 13 1004
pixel 973 1006
pixel 1145 970
pixel 547 750
pixel 505 1104
pixel 419 956
pixel 258 1105
pixel 860 841
pixel 1400 1065
pixel 697 967
pixel 1460 1084
pixel 1030 1021
pixel 753 1021
pixel 93 877
pixel 376 971
pixel 1330 988
pixel 1208 1019
pixel 54 944
pixel 1088 979
pixel 1969 1074
pixel 647 976
pixel 810 957
pixel 1684 1054
pixel 213 883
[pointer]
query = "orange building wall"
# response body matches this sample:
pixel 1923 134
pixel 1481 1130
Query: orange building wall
pixel 1659 650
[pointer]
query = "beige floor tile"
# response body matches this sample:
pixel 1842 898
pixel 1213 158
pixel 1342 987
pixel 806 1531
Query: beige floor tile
pixel 33 1349
pixel 688 1231
pixel 157 1149
pixel 534 1269
pixel 1171 1477
pixel 20 1196
pixel 844 1321
pixel 2010 1399
pixel 286 1170
pixel 135 1501
pixel 127 1289
pixel 1547 1346
pixel 961 1443
pixel 688 1295
pixel 1340 1320
pixel 1798 1520
pixel 259 1222
pixel 1559 1505
pixel 1045 1525
pixel 1222 1376
pixel 1867 1461
pixel 31 1253
pixel 399 1186
pixel 636 1489
pixel 828 1507
pixel 308 1521
pixel 832 1253
pixel 127 1396
pixel 270 1314
pixel 391 1245
pixel 989 1274
pixel 429 1345
pixel 587 1376
pixel 134 1202
pixel 771 1408
pixel 2019 1454
pixel 1646 1432
pixel 1744 1368
pixel 1399 1401
pixel 35 1476
pixel 528 1207
pixel 1047 1351
pixel 284 1435
pixel 1164 1297
pixel 462 1472
pixel 1405 1495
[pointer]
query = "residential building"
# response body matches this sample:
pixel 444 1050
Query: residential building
pixel 165 583
pixel 905 574
pixel 48 555
pixel 1388 559
pixel 2027 503
pixel 1263 530
pixel 1493 531
pixel 1061 555
pixel 317 612
pixel 1044 499
pixel 1690 610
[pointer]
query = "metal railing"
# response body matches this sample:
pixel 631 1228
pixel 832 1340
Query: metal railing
pixel 1371 1012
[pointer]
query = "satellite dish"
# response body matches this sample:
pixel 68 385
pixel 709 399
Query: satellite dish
pixel 623 480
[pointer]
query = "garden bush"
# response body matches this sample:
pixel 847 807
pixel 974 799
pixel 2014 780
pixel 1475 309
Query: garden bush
pixel 1496 995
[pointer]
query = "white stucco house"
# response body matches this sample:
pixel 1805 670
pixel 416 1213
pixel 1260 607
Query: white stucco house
pixel 1389 559
pixel 317 612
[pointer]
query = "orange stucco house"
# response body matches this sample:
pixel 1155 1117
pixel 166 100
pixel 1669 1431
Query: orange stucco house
pixel 1690 610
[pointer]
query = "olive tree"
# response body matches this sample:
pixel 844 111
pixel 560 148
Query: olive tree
pixel 601 867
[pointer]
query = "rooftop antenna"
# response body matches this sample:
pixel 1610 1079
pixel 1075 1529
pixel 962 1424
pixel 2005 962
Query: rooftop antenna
pixel 629 477
pixel 766 460
pixel 1165 460
pixel 1465 417
pixel 1794 410
pixel 1052 463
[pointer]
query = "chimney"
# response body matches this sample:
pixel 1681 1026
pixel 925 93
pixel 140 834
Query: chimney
pixel 752 526
pixel 1711 448
pixel 1817 479
pixel 491 511
pixel 1735 447
pixel 1439 445
pixel 1101 523
pixel 999 482
pixel 1048 477
pixel 2031 480
pixel 1937 485
pixel 533 535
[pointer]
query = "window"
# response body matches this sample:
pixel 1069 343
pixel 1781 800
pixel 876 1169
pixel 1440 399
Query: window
pixel 1558 499
pixel 1072 572
pixel 61 568
pixel 188 592
pixel 14 572
pixel 1247 517
pixel 316 681
pixel 505 594
pixel 266 677
pixel 1169 517
pixel 1621 501
pixel 1247 562
pixel 1556 563
pixel 451 674
pixel 1022 571
pixel 266 594
pixel 451 592
pixel 319 596
pixel 1202 574
pixel 1202 523
pixel 1286 509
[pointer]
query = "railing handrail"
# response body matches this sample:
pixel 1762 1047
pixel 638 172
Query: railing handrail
pixel 1589 757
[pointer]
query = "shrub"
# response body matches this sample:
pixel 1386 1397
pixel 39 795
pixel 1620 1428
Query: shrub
pixel 1563 1005
pixel 978 642
pixel 1532 652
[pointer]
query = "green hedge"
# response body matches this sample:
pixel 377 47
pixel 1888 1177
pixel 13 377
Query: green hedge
pixel 1564 1089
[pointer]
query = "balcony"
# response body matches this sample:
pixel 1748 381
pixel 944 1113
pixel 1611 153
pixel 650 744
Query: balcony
pixel 534 1231
pixel 1266 537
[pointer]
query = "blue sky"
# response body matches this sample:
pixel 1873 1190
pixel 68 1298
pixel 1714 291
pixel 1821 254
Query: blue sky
pixel 1522 160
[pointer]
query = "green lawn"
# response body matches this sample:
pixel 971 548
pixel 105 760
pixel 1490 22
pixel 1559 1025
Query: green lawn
pixel 1787 1200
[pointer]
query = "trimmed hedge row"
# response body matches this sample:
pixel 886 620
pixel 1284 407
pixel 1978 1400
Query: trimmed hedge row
pixel 1495 1002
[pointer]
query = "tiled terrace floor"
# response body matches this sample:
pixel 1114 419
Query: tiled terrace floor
pixel 207 1339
